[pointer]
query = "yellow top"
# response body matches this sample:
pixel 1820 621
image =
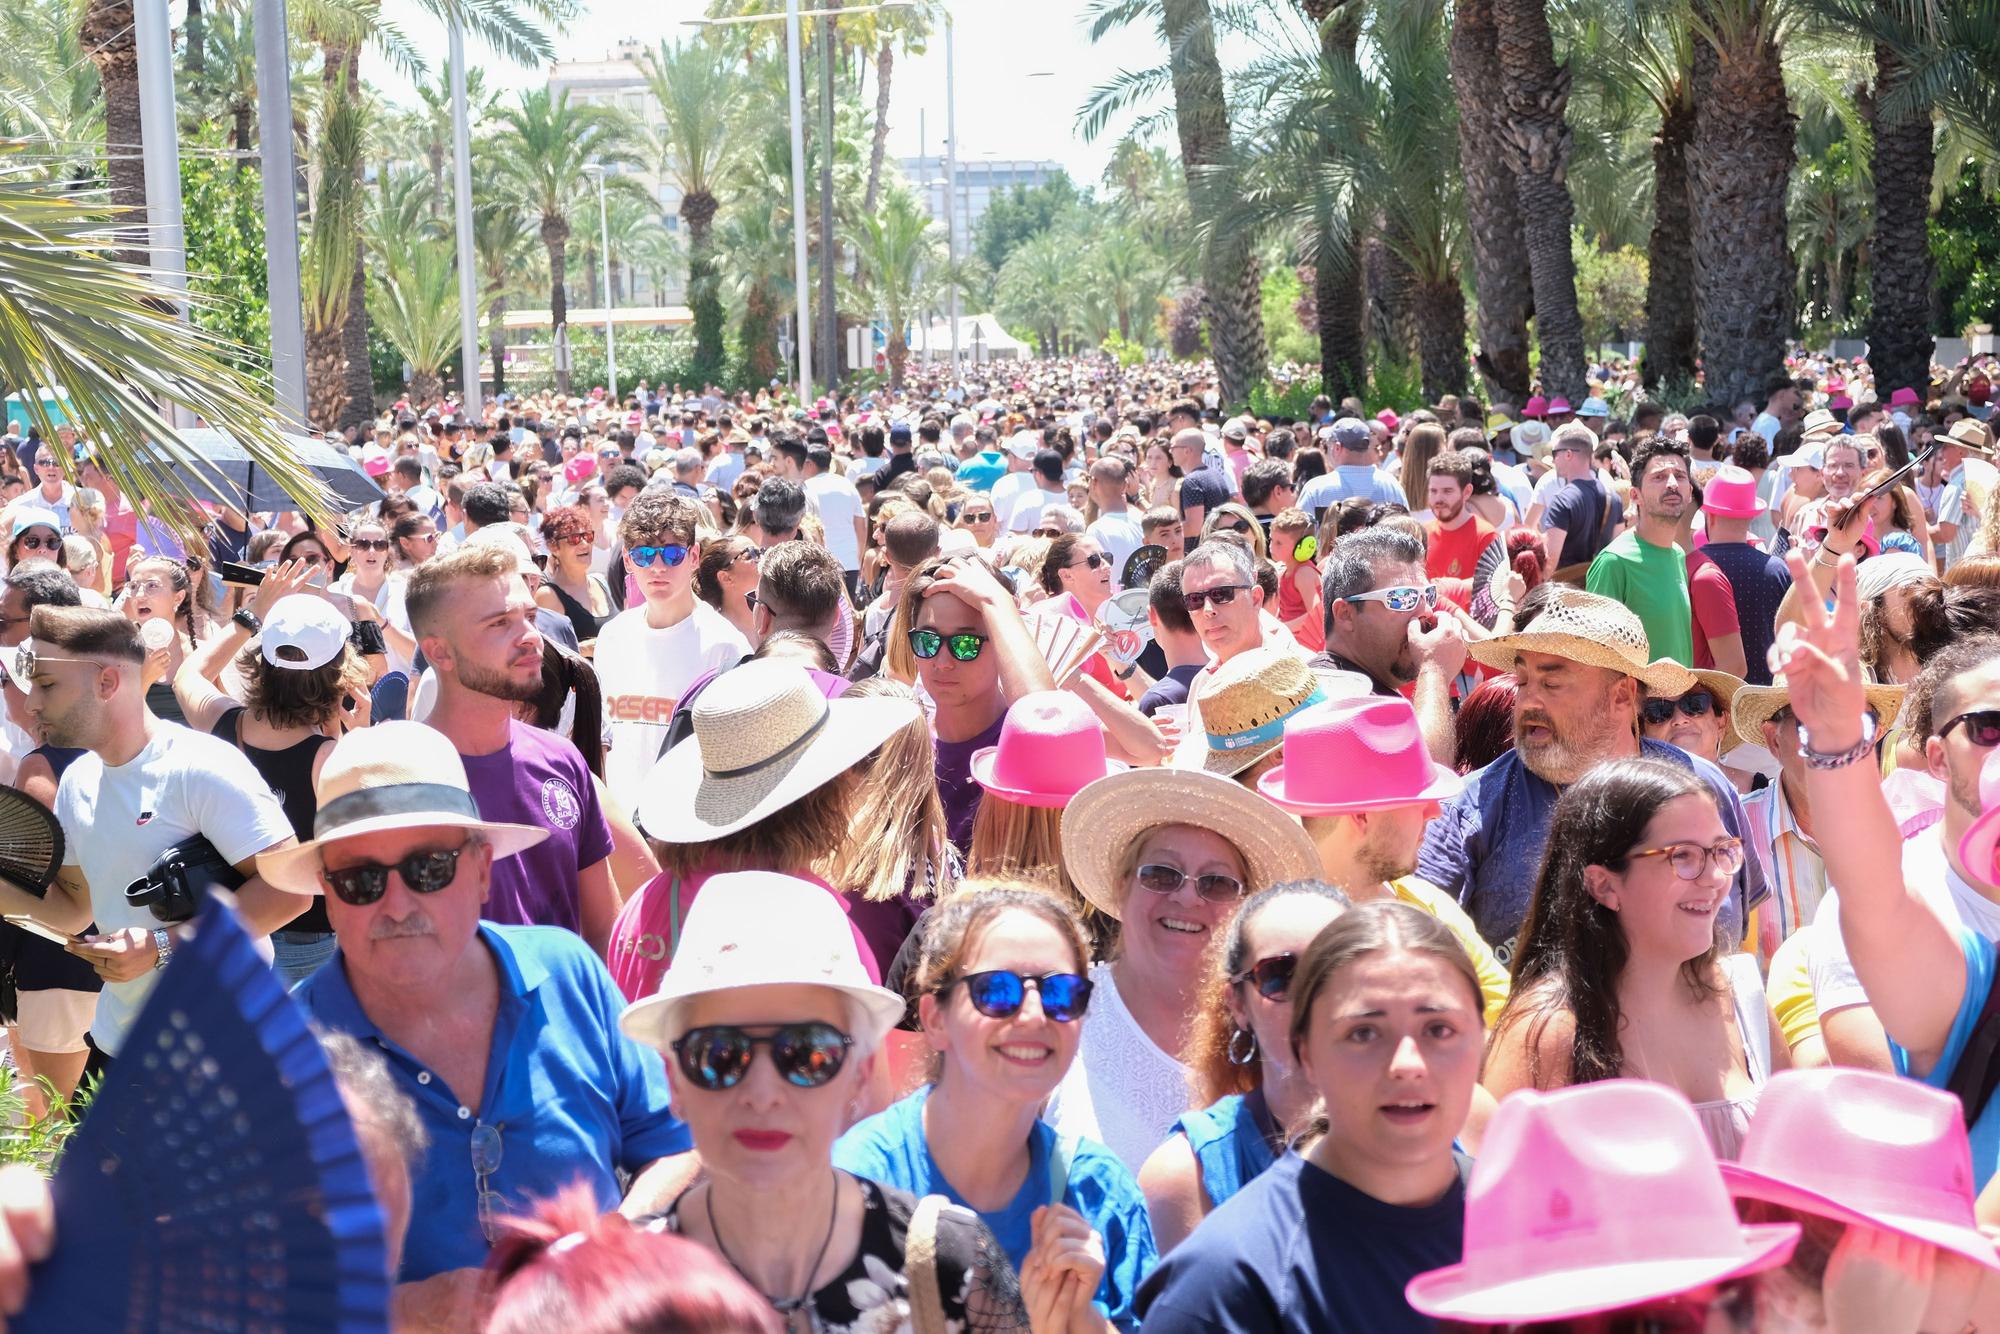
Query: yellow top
pixel 1789 989
pixel 1494 982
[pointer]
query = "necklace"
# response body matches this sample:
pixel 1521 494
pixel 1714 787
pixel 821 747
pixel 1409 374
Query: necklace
pixel 790 1306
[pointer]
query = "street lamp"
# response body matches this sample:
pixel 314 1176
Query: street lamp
pixel 469 397
pixel 604 268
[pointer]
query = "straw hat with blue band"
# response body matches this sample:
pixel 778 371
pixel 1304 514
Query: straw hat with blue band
pixel 1246 700
pixel 395 775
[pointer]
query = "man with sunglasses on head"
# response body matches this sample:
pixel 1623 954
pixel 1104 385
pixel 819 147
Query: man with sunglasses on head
pixel 649 654
pixel 1382 620
pixel 504 1037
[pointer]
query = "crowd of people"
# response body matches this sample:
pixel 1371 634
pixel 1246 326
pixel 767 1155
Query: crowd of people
pixel 1038 850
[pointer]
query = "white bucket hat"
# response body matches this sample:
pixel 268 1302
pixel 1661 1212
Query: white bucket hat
pixel 762 929
pixel 396 775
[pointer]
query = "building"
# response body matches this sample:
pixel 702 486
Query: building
pixel 980 181
pixel 618 81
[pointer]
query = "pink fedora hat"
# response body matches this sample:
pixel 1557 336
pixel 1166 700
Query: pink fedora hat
pixel 1590 1199
pixel 1867 1148
pixel 1978 848
pixel 1559 405
pixel 1051 748
pixel 1905 397
pixel 1348 755
pixel 1535 407
pixel 1732 494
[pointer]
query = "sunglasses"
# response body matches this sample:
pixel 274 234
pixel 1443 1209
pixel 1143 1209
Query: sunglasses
pixel 1220 596
pixel 27 662
pixel 424 872
pixel 36 542
pixel 1001 994
pixel 965 646
pixel 1982 727
pixel 673 555
pixel 753 556
pixel 982 516
pixel 1169 879
pixel 486 1149
pixel 370 544
pixel 1047 532
pixel 1093 561
pixel 1695 704
pixel 718 1056
pixel 1271 977
pixel 1404 598
pixel 1238 527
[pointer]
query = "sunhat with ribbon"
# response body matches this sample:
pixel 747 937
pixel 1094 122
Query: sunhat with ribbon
pixel 1351 755
pixel 764 736
pixel 1246 700
pixel 1753 706
pixel 1590 1199
pixel 1820 425
pixel 1591 630
pixel 1104 820
pixel 1976 849
pixel 1731 493
pixel 1864 1148
pixel 762 929
pixel 1971 435
pixel 394 775
pixel 1051 747
pixel 1531 437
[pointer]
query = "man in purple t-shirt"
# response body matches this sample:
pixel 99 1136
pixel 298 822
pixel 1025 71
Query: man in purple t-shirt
pixel 475 620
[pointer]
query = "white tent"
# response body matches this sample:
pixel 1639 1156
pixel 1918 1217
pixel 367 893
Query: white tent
pixel 980 338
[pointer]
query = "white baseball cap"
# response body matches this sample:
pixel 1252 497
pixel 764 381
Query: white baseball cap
pixel 303 633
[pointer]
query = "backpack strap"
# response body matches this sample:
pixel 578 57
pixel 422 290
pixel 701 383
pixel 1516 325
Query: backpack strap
pixel 1977 1073
pixel 1062 1153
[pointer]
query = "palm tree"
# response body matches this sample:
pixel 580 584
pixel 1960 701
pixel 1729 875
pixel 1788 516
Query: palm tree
pixel 901 256
pixel 1130 277
pixel 107 37
pixel 1536 141
pixel 333 237
pixel 503 242
pixel 540 150
pixel 755 246
pixel 1038 287
pixel 416 308
pixel 1492 203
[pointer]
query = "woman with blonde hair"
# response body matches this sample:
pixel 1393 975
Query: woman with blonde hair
pixel 86 520
pixel 1233 517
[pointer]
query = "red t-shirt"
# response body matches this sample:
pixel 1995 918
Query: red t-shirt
pixel 1454 552
pixel 1714 603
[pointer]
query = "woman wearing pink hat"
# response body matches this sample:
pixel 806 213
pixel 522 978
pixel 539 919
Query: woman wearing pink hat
pixel 1386 1026
pixel 1621 970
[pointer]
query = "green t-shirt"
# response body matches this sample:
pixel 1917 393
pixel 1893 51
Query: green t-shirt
pixel 1653 582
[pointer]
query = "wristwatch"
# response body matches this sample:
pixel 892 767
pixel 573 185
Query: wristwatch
pixel 1839 759
pixel 164 943
pixel 247 619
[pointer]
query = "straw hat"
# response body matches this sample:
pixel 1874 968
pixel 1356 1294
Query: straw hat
pixel 1109 816
pixel 1971 435
pixel 762 929
pixel 1725 688
pixel 395 775
pixel 1594 631
pixel 1820 425
pixel 1051 747
pixel 1245 702
pixel 1754 706
pixel 1531 436
pixel 764 736
pixel 1589 1199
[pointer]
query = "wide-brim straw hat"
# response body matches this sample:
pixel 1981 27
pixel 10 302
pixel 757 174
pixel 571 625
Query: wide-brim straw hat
pixel 1725 688
pixel 1591 630
pixel 764 736
pixel 1107 817
pixel 1971 435
pixel 1246 700
pixel 1753 706
pixel 394 775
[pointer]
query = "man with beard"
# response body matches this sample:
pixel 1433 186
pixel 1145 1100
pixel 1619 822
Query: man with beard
pixel 1382 621
pixel 1583 667
pixel 1642 567
pixel 475 621
pixel 1456 536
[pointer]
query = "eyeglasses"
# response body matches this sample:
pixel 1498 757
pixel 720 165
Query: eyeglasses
pixel 1000 994
pixel 1697 703
pixel 145 586
pixel 718 1056
pixel 1404 598
pixel 672 555
pixel 365 883
pixel 1215 888
pixel 485 1162
pixel 1688 859
pixel 1982 727
pixel 370 544
pixel 965 645
pixel 1094 561
pixel 1271 977
pixel 1220 596
pixel 36 542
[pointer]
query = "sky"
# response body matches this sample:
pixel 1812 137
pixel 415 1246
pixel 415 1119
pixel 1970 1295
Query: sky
pixel 1023 69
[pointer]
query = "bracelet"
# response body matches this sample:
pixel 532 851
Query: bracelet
pixel 247 619
pixel 1840 759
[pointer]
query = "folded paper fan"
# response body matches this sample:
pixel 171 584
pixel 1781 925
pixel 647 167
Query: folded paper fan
pixel 31 841
pixel 1064 643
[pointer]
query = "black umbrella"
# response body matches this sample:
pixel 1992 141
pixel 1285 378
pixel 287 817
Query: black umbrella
pixel 223 471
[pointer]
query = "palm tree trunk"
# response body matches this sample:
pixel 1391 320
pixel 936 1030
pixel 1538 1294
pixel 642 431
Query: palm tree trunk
pixel 1742 156
pixel 196 55
pixel 704 286
pixel 239 133
pixel 1492 204
pixel 1230 279
pixel 899 356
pixel 885 64
pixel 341 75
pixel 1338 318
pixel 1670 287
pixel 1899 325
pixel 555 236
pixel 107 34
pixel 1389 286
pixel 325 389
pixel 1440 316
pixel 760 334
pixel 425 387
pixel 1536 143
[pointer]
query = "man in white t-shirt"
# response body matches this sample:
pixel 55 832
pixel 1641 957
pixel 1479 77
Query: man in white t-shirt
pixel 649 654
pixel 143 786
pixel 842 515
pixel 1116 528
pixel 1018 482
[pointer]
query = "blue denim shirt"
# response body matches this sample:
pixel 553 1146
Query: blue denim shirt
pixel 572 1097
pixel 1486 848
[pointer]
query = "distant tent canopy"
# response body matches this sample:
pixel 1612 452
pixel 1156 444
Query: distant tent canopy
pixel 980 338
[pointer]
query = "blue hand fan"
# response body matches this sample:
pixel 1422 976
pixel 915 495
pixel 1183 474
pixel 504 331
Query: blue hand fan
pixel 215 1183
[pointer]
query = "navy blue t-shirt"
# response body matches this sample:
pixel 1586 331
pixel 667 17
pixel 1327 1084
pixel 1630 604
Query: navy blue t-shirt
pixel 1760 581
pixel 1300 1249
pixel 1204 489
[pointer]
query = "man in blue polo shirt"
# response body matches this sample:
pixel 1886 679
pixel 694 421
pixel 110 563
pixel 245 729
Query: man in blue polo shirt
pixel 505 1037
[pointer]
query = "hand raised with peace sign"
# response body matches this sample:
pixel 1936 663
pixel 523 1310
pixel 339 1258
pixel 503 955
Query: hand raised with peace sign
pixel 1819 656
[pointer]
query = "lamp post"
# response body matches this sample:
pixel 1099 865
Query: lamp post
pixel 153 35
pixel 281 210
pixel 470 397
pixel 604 269
pixel 951 186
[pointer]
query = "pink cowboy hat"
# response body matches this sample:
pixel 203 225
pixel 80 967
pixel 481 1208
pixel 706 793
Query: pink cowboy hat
pixel 1839 403
pixel 1535 407
pixel 1051 748
pixel 1867 1148
pixel 1388 417
pixel 1905 397
pixel 1732 494
pixel 1350 755
pixel 1590 1199
pixel 1977 849
pixel 1559 406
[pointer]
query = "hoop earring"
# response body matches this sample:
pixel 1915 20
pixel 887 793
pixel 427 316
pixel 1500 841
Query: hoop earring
pixel 1237 1055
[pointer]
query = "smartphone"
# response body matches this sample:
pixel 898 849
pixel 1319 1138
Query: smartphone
pixel 249 576
pixel 1916 461
pixel 35 928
